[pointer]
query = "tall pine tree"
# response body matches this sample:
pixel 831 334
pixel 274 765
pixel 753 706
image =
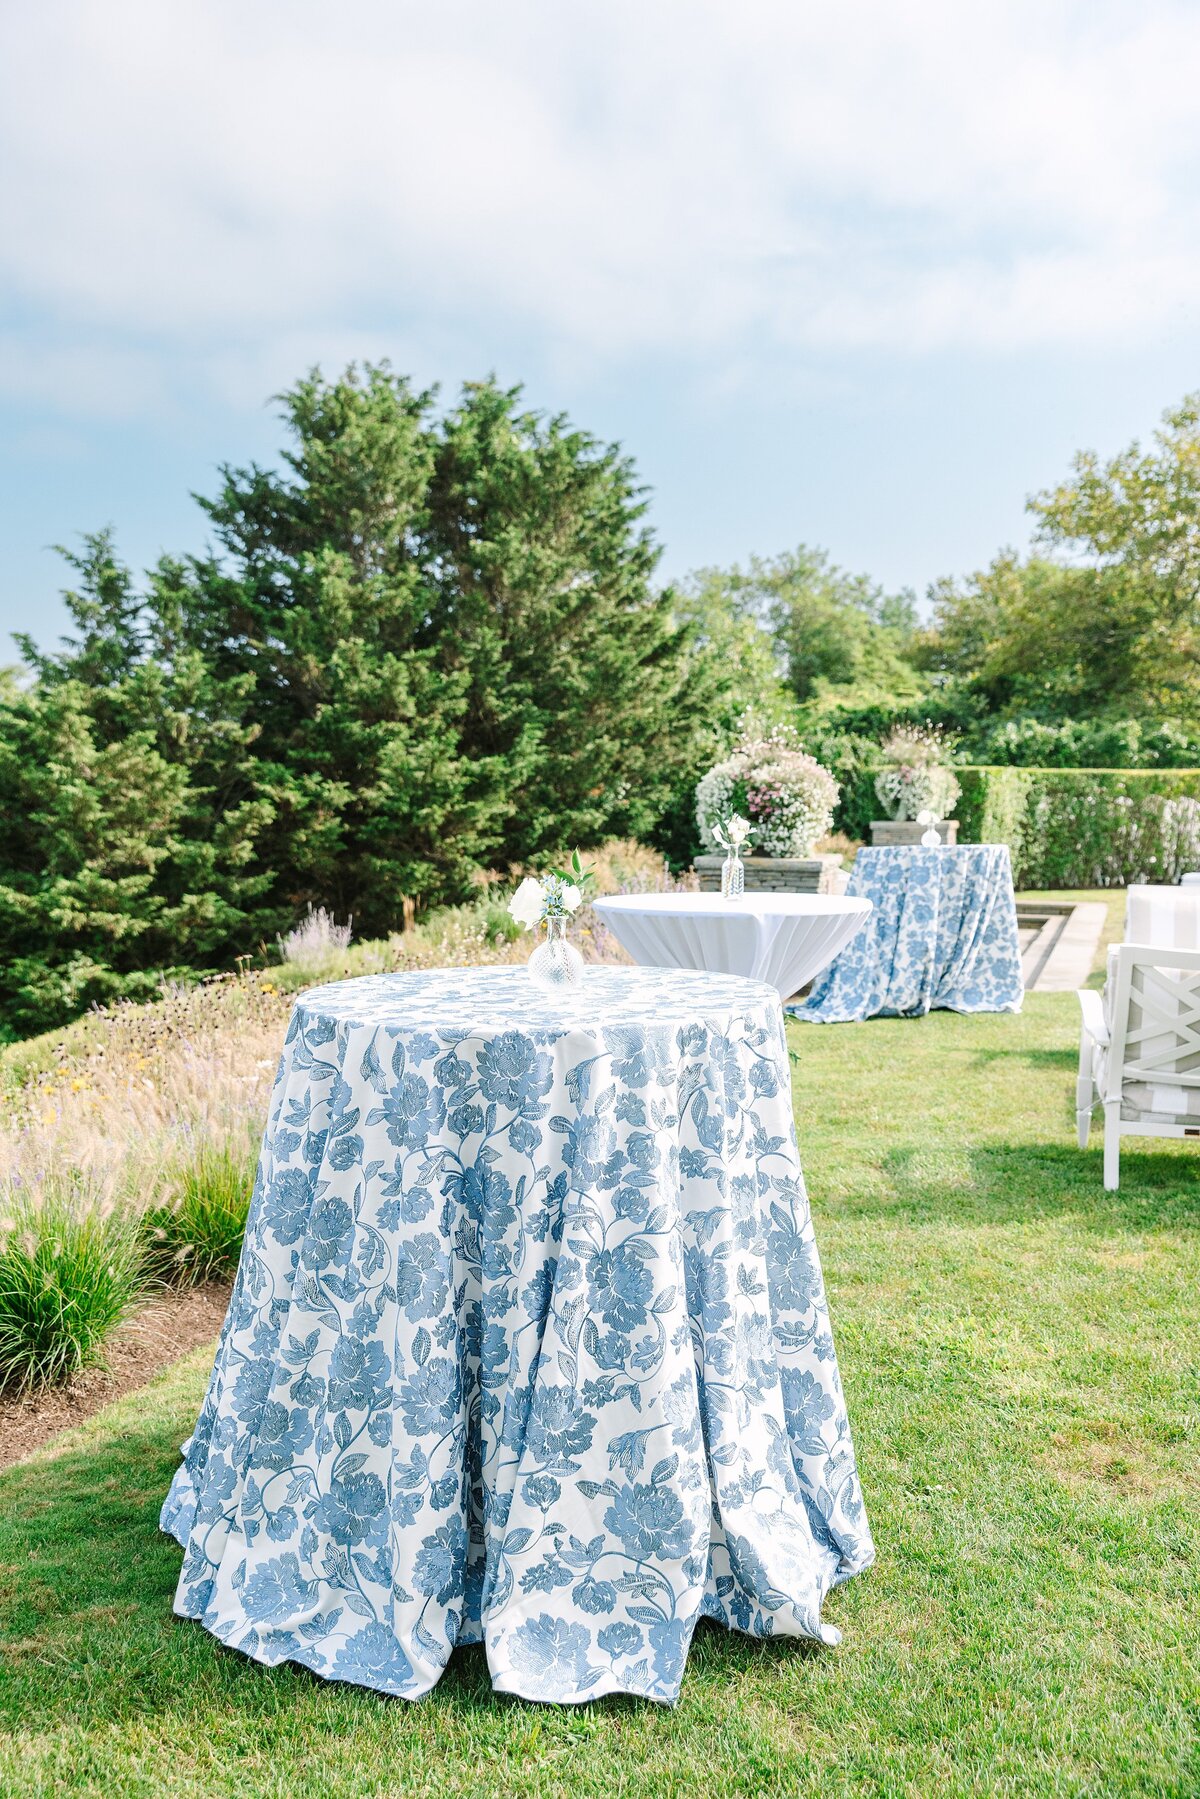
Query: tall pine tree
pixel 131 807
pixel 425 644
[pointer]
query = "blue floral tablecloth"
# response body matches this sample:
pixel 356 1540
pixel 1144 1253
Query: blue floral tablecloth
pixel 528 1343
pixel 943 933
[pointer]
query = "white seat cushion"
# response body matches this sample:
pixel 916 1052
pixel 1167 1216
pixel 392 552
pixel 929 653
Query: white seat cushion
pixel 1178 1105
pixel 1164 917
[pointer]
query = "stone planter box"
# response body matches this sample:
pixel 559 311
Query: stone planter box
pixel 775 874
pixel 907 830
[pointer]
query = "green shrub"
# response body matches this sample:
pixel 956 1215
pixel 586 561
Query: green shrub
pixel 197 1235
pixel 1065 827
pixel 499 925
pixel 854 762
pixel 676 834
pixel 70 1273
pixel 992 808
pixel 1085 827
pixel 1087 743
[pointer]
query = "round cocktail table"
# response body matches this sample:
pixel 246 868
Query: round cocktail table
pixel 785 939
pixel 528 1343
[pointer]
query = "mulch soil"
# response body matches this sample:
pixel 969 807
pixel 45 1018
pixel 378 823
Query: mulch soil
pixel 171 1325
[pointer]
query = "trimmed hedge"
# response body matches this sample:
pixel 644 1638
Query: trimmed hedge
pixel 1086 827
pixel 1070 827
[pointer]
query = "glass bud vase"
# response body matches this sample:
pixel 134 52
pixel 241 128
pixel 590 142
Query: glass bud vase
pixel 733 875
pixel 556 966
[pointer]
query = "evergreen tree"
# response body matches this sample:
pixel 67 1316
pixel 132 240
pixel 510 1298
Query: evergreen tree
pixel 131 808
pixel 576 671
pixel 424 645
pixel 457 653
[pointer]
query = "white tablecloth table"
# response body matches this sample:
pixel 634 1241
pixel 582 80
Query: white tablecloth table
pixel 784 939
pixel 1164 917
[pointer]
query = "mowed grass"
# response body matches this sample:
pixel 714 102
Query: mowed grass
pixel 1020 1356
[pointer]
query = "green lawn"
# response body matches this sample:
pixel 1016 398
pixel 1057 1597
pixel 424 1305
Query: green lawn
pixel 1020 1354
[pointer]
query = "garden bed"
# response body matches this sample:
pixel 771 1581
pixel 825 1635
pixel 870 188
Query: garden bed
pixel 168 1327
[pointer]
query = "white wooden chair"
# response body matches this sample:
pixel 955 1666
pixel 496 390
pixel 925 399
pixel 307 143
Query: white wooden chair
pixel 1139 1049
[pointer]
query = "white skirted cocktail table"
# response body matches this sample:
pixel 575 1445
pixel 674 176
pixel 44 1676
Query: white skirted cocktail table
pixel 784 939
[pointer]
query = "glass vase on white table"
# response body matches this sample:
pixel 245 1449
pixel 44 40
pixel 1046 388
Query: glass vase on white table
pixel 731 835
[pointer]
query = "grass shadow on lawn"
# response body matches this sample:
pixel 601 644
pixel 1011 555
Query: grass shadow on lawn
pixel 1012 1183
pixel 90 1627
pixel 106 1691
pixel 1065 1059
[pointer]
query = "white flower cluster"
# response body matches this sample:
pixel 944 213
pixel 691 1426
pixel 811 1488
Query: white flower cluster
pixel 907 791
pixel 916 777
pixel 732 832
pixel 535 901
pixel 786 794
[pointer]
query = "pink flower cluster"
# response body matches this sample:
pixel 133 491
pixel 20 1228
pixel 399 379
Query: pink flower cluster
pixel 761 800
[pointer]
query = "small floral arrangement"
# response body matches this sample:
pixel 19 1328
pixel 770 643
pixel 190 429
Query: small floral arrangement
pixel 733 833
pixel 917 777
pixel 555 895
pixel 772 786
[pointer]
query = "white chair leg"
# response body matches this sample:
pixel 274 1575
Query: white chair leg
pixel 1083 1108
pixel 1112 1146
pixel 1085 1091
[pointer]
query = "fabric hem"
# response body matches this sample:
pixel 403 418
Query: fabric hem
pixel 504 1681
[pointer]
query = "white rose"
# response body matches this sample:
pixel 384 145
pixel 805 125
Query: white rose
pixel 527 902
pixel 739 828
pixel 571 896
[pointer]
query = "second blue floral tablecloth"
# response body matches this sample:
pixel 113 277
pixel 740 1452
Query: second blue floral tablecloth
pixel 942 934
pixel 528 1343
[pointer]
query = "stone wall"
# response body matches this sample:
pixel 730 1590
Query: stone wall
pixel 775 874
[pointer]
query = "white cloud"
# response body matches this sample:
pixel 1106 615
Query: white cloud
pixel 689 177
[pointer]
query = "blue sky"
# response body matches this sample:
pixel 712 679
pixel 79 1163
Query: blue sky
pixel 860 276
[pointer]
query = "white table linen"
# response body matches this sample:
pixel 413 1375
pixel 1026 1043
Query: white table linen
pixel 784 939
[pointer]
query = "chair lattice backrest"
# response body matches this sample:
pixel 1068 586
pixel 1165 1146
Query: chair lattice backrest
pixel 1154 1012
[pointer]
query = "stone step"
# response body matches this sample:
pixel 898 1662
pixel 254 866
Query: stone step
pixel 1058 942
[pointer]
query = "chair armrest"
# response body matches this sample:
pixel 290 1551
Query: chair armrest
pixel 1092 1007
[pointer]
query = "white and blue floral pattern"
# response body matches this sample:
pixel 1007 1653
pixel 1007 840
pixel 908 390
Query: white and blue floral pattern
pixel 528 1343
pixel 943 933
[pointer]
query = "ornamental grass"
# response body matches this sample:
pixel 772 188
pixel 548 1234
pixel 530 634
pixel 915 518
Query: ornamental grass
pixel 71 1270
pixel 128 1140
pixel 195 1234
pixel 120 1167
